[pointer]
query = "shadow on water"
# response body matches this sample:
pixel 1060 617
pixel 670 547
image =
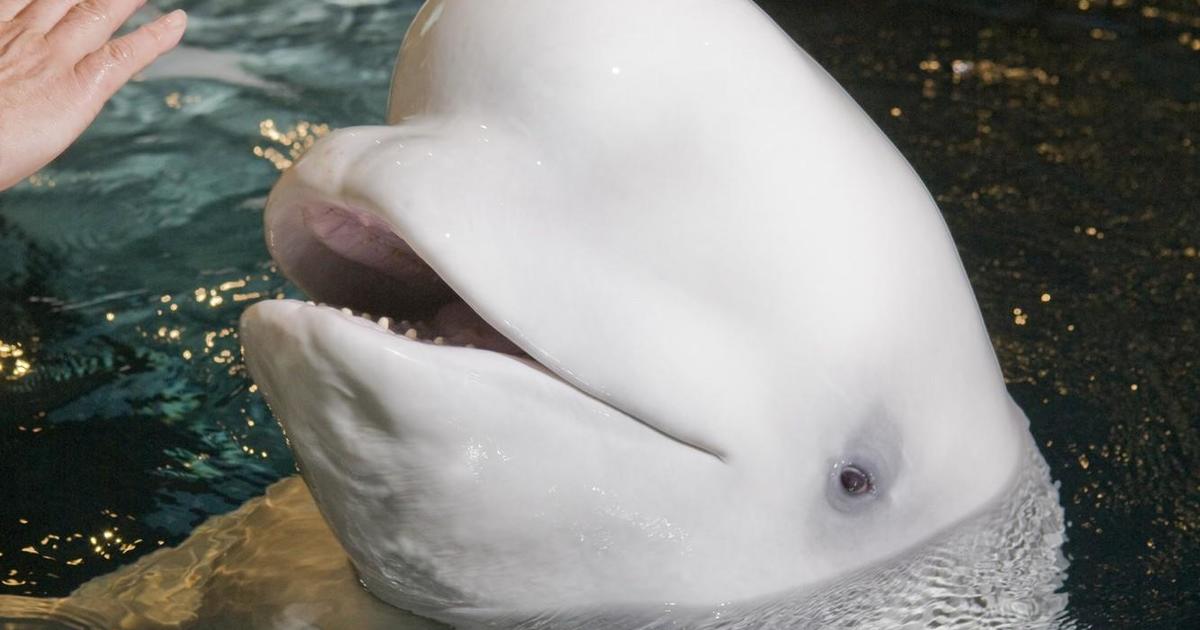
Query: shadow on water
pixel 1059 138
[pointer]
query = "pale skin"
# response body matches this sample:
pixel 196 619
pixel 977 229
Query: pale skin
pixel 59 64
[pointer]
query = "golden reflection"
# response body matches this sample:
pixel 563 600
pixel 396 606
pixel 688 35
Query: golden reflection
pixel 208 344
pixel 104 545
pixel 177 100
pixel 990 72
pixel 291 144
pixel 1174 17
pixel 14 364
pixel 1052 153
pixel 39 180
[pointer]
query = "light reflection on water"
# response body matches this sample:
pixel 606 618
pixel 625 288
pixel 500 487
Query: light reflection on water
pixel 13 363
pixel 1059 139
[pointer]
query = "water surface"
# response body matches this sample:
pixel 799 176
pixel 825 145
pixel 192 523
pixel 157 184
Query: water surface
pixel 1060 139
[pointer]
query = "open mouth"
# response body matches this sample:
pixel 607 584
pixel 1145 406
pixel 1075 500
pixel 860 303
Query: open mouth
pixel 369 221
pixel 440 402
pixel 353 261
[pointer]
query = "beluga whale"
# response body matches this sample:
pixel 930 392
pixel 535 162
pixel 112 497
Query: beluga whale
pixel 631 317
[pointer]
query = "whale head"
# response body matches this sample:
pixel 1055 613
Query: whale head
pixel 657 315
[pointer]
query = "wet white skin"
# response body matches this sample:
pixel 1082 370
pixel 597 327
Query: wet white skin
pixel 274 564
pixel 728 286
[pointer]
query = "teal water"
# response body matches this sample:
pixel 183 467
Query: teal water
pixel 123 270
pixel 1059 138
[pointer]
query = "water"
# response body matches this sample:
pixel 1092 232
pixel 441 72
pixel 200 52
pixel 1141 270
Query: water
pixel 1061 143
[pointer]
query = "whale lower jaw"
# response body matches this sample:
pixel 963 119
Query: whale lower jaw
pixel 446 471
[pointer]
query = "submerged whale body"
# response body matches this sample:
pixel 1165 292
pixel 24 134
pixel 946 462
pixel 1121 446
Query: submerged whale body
pixel 664 333
pixel 663 318
pixel 274 564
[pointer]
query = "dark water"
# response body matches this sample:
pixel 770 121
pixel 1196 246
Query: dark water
pixel 1064 157
pixel 1060 139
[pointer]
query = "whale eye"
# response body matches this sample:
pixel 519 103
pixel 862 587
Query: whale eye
pixel 855 481
pixel 855 484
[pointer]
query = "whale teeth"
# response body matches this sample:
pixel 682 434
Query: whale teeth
pixel 412 330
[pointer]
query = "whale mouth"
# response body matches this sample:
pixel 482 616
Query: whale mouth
pixel 417 409
pixel 350 260
pixel 345 253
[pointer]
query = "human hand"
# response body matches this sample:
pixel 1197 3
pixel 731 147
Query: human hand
pixel 59 65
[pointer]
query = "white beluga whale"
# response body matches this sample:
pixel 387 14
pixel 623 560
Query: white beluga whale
pixel 671 336
pixel 660 321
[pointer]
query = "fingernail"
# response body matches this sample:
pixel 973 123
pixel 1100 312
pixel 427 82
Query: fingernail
pixel 175 17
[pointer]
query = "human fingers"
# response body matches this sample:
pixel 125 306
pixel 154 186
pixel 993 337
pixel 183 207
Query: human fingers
pixel 42 15
pixel 89 24
pixel 10 8
pixel 110 67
